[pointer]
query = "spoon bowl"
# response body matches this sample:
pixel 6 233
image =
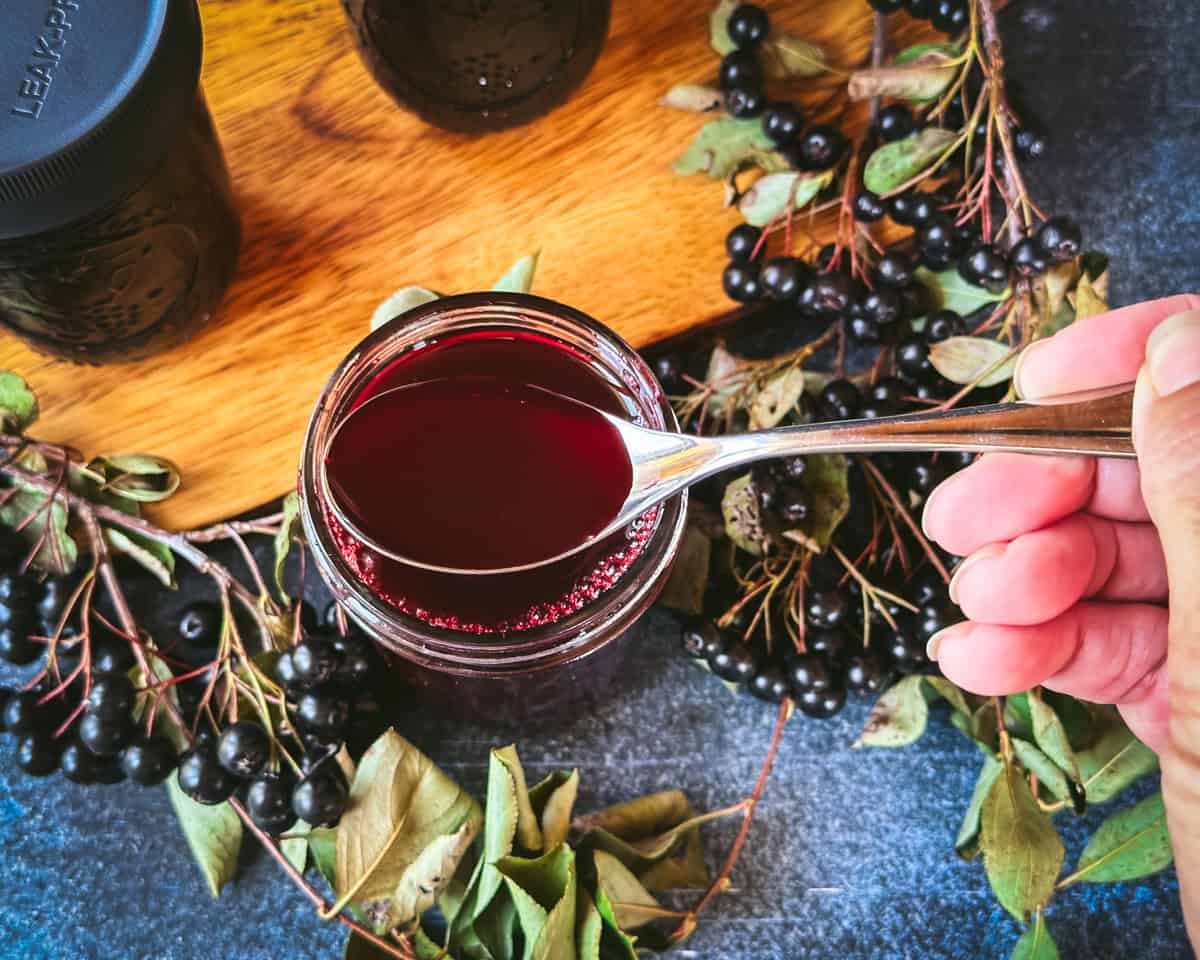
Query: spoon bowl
pixel 1092 423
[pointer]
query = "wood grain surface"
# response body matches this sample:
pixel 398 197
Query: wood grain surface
pixel 345 198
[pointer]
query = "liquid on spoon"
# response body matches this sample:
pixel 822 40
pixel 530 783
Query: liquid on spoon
pixel 474 472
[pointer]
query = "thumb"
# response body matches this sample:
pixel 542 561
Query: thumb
pixel 1166 426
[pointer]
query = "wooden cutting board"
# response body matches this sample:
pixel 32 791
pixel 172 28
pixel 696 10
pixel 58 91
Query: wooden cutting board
pixel 344 198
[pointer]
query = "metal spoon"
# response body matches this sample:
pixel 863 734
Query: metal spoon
pixel 1092 423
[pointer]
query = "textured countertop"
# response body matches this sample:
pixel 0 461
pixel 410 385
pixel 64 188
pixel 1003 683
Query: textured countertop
pixel 851 854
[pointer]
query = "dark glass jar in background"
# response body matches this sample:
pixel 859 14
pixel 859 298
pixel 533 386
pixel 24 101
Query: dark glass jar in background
pixel 118 231
pixel 479 65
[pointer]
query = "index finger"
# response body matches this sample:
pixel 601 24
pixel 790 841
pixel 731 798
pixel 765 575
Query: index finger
pixel 1101 351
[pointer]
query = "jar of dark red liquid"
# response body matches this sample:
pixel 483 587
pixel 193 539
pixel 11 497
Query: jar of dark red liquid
pixel 479 65
pixel 118 233
pixel 508 645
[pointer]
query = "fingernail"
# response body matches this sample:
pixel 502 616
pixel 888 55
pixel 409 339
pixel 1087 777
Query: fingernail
pixel 1019 385
pixel 935 642
pixel 1173 353
pixel 990 552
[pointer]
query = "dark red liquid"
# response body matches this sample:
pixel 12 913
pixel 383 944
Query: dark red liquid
pixel 411 475
pixel 478 473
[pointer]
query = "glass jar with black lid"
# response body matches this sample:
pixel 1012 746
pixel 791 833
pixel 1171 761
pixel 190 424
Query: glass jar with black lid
pixel 118 231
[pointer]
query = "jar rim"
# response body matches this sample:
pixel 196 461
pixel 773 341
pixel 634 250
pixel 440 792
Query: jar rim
pixel 537 647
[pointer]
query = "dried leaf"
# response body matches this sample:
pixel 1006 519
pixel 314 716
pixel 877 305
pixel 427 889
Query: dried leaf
pixel 399 303
pixel 785 55
pixel 213 834
pixel 776 398
pixel 1129 844
pixel 623 890
pixel 743 519
pixel 556 815
pixel 689 575
pixel 1035 943
pixel 153 556
pixel 289 530
pixel 721 366
pixel 1051 736
pixel 898 717
pixel 1022 852
pixel 693 97
pixel 589 927
pixel 519 277
pixel 827 480
pixel 637 819
pixel 18 403
pixel 529 834
pixel 1087 301
pixel 720 146
pixel 718 26
pixel 967 841
pixel 1058 280
pixel 894 164
pixel 769 196
pixel 975 360
pixel 918 81
pixel 403 833
pixel 140 477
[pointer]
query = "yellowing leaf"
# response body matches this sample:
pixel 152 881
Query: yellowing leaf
pixel 721 146
pixel 775 193
pixel 975 360
pixel 743 519
pixel 399 303
pixel 898 717
pixel 519 277
pixel 693 97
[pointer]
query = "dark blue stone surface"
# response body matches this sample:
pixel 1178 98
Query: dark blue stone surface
pixel 851 854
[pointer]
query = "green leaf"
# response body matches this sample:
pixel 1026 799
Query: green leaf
pixel 693 97
pixel 213 834
pixel 949 291
pixel 519 277
pixel 544 891
pixel 18 403
pixel 496 927
pixel 1018 719
pixel 616 943
pixel 405 829
pixel 1115 761
pixel 1049 774
pixel 140 477
pixel 967 841
pixel 153 556
pixel 892 165
pixel 689 575
pixel 774 194
pixel 826 478
pixel 721 146
pixel 1036 943
pixel 958 698
pixel 976 360
pixel 295 847
pixel 58 552
pixel 898 717
pixel 921 50
pixel 289 530
pixel 623 890
pixel 743 520
pixel 718 26
pixel 589 927
pixel 785 55
pixel 1075 717
pixel 1051 736
pixel 322 846
pixel 399 303
pixel 1131 843
pixel 776 398
pixel 1022 852
pixel 426 949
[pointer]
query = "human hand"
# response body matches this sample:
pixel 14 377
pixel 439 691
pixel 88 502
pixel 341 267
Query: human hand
pixel 1083 575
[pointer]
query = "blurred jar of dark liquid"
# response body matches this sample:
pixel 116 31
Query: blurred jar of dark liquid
pixel 478 65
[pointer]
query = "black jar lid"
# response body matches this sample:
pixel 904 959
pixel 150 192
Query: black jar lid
pixel 92 93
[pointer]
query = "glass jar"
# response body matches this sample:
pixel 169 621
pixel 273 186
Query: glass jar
pixel 516 672
pixel 118 231
pixel 479 65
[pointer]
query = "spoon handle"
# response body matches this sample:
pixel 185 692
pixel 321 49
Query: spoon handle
pixel 1095 423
